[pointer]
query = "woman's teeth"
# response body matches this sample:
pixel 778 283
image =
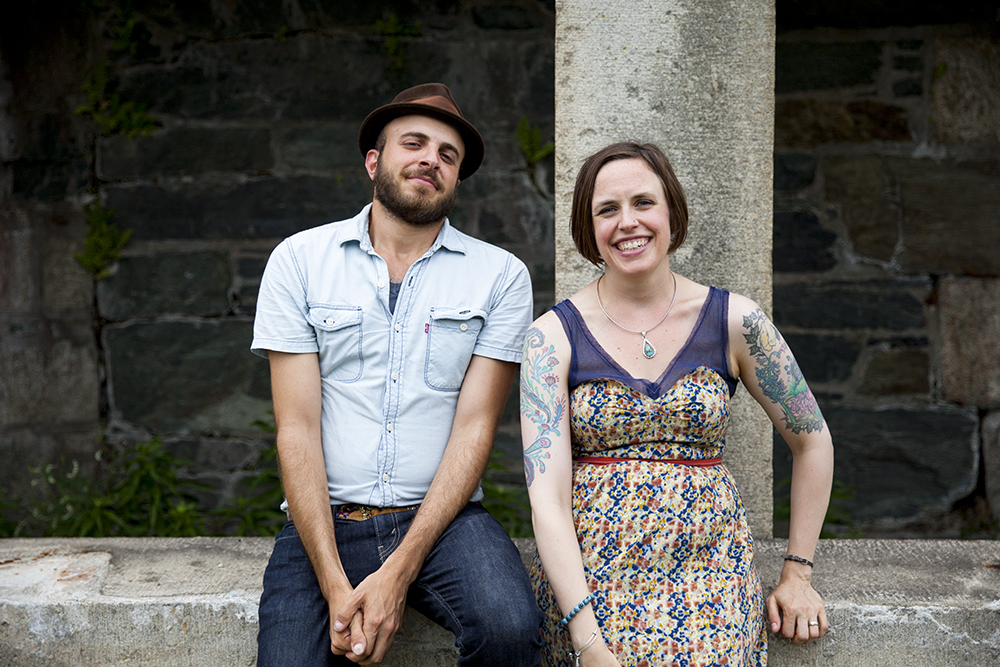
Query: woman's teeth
pixel 634 244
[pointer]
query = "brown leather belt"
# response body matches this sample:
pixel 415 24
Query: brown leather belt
pixel 355 512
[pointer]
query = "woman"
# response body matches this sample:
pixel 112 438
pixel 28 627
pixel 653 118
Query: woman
pixel 645 556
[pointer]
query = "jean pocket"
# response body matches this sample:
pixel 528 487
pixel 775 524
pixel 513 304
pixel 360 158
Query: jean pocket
pixel 451 338
pixel 339 337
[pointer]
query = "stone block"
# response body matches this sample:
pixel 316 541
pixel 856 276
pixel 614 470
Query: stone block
pixel 327 147
pixel 970 362
pixel 48 181
pixel 309 76
pixel 176 602
pixel 194 283
pixel 991 460
pixel 865 190
pixel 793 171
pixel 66 286
pixel 908 88
pixel 801 243
pixel 966 99
pixel 251 268
pixel 908 63
pixel 20 287
pixel 896 368
pixel 803 66
pixel 799 122
pixel 824 358
pixel 194 377
pixel 903 463
pixel 885 305
pixel 505 17
pixel 945 232
pixel 48 372
pixel 185 151
pixel 224 209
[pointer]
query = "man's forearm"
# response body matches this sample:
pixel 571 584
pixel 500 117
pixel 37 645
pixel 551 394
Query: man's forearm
pixel 304 481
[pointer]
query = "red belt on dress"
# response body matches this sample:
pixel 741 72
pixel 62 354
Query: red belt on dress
pixel 605 460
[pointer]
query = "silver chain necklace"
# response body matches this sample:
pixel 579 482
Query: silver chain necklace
pixel 648 350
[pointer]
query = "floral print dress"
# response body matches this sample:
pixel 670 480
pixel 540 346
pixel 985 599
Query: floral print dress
pixel 666 546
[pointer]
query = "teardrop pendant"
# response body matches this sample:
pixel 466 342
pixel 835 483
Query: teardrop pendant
pixel 648 350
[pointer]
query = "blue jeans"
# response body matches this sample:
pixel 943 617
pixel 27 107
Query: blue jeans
pixel 472 583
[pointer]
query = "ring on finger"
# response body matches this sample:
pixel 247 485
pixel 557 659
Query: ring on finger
pixel 813 623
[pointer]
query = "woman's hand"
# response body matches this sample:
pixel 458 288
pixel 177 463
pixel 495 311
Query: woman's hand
pixel 794 608
pixel 599 655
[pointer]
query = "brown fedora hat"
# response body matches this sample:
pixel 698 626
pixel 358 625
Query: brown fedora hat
pixel 428 99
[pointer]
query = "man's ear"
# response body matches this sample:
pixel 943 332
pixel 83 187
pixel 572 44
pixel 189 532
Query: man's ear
pixel 371 161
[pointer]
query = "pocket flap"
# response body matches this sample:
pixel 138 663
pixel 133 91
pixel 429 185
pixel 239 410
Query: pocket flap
pixel 332 318
pixel 457 314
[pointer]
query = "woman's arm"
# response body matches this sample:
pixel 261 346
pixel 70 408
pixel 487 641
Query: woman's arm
pixel 548 468
pixel 768 370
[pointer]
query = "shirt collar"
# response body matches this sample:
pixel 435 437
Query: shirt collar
pixel 448 237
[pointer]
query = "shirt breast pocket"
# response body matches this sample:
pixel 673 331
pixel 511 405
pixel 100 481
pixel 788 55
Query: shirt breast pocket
pixel 451 338
pixel 339 337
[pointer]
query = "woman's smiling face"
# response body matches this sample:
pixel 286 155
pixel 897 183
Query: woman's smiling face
pixel 631 217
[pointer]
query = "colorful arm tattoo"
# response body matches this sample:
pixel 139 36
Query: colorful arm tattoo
pixel 789 389
pixel 539 401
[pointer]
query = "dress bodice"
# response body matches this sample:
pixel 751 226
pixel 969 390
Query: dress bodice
pixel 684 414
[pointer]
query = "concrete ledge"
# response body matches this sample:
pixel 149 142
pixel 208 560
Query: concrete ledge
pixel 169 602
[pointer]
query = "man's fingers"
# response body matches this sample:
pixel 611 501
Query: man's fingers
pixel 359 643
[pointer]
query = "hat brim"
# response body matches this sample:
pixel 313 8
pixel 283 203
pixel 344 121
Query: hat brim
pixel 378 119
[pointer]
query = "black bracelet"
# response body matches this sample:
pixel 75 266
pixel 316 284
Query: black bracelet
pixel 798 559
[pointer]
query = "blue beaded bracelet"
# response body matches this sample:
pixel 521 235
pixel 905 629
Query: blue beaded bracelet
pixel 576 610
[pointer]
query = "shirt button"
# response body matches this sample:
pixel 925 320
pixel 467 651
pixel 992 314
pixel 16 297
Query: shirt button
pixel 395 376
pixel 381 284
pixel 328 321
pixel 464 327
pixel 385 477
pixel 388 426
pixel 398 328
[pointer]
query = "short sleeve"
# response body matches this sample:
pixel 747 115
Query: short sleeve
pixel 502 337
pixel 280 323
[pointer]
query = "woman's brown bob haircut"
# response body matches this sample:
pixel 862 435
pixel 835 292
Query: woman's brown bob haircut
pixel 582 219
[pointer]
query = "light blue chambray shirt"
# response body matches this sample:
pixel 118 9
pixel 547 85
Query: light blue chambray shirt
pixel 390 381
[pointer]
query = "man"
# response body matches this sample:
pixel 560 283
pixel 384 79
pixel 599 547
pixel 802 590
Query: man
pixel 393 339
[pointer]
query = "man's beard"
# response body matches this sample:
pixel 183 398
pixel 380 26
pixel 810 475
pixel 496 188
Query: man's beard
pixel 415 210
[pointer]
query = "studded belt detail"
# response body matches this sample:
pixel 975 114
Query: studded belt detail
pixel 355 512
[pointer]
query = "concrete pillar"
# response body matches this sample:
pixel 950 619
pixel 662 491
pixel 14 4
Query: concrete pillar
pixel 695 77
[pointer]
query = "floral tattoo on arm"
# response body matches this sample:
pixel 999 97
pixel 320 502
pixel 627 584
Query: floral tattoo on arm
pixel 539 402
pixel 787 389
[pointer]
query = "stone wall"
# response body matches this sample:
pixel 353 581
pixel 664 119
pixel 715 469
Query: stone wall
pixel 258 107
pixel 887 279
pixel 885 226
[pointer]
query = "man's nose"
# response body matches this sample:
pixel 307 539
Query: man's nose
pixel 429 158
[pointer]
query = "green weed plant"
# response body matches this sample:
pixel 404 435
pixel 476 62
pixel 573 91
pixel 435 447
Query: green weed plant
pixel 103 243
pixel 109 113
pixel 135 493
pixel 529 138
